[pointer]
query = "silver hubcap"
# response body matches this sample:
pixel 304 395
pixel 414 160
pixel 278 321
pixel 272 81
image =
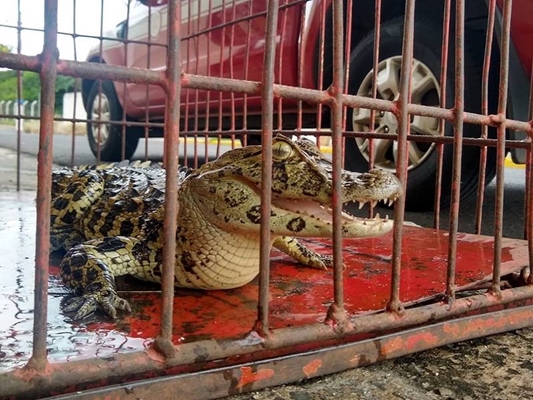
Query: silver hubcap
pixel 100 111
pixel 425 90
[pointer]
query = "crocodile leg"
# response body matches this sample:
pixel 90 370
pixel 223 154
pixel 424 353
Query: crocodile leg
pixel 301 253
pixel 90 269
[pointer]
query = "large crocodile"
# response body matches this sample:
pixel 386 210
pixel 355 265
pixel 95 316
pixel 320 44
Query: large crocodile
pixel 110 219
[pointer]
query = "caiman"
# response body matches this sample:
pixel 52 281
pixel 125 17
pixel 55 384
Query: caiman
pixel 110 219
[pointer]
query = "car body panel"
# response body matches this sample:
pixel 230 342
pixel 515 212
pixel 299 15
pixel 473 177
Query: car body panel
pixel 222 38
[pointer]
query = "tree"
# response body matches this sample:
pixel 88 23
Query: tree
pixel 5 48
pixel 31 84
pixel 31 87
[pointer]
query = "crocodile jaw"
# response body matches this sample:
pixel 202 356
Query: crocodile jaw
pixel 352 227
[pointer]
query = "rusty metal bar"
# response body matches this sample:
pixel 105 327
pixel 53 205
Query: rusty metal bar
pixel 267 105
pixel 402 115
pixel 186 67
pixel 336 313
pixel 259 375
pixel 375 63
pixel 222 58
pixel 443 93
pixel 81 374
pixel 279 73
pixel 244 138
pixel 190 81
pixel 147 87
pixel 20 94
pixel 124 86
pixel 500 148
pixel 528 229
pixel 164 341
pixel 197 111
pixel 459 106
pixel 100 52
pixel 73 126
pixel 76 82
pixel 48 74
pixel 300 75
pixel 528 195
pixel 231 73
pixel 208 94
pixel 485 111
pixel 347 56
pixel 321 51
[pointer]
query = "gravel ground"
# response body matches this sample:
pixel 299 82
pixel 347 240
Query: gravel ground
pixel 498 367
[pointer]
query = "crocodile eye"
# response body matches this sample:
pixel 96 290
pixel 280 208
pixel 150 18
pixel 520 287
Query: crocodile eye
pixel 281 151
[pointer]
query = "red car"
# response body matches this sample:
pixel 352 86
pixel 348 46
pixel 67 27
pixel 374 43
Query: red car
pixel 226 39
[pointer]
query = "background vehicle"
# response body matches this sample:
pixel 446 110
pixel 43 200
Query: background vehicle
pixel 304 48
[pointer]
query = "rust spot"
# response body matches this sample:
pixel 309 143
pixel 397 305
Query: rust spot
pixel 248 375
pixel 393 345
pixel 415 341
pixel 312 367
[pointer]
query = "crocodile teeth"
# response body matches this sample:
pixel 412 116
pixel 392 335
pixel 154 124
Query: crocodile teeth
pixel 373 203
pixel 377 216
pixel 361 204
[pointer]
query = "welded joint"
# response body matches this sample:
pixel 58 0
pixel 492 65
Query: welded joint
pixel 395 307
pixel 55 57
pixel 337 318
pixel 334 96
pixel 261 333
pixel 449 298
pixel 496 290
pixel 165 347
pixel 396 109
pixel 497 119
pixel 165 81
pixel 36 366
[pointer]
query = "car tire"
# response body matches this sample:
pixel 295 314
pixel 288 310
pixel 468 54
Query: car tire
pixel 420 193
pixel 106 107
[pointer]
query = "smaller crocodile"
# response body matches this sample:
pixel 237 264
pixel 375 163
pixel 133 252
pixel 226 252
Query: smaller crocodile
pixel 110 219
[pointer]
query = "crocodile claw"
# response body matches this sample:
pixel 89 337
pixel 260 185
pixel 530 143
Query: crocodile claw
pixel 89 302
pixel 322 261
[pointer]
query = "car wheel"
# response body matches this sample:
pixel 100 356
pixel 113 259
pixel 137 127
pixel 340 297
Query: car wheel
pixel 251 140
pixel 426 90
pixel 103 105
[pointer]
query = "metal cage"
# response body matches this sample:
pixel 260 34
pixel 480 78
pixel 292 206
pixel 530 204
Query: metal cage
pixel 237 72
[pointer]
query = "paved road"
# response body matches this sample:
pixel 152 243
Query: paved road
pixel 153 148
pixel 514 191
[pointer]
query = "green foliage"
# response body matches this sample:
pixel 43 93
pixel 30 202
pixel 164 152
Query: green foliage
pixel 5 49
pixel 31 87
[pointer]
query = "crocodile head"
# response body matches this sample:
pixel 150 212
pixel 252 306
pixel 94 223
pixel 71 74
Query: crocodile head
pixel 228 192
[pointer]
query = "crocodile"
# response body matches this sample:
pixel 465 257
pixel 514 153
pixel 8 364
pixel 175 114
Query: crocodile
pixel 109 219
